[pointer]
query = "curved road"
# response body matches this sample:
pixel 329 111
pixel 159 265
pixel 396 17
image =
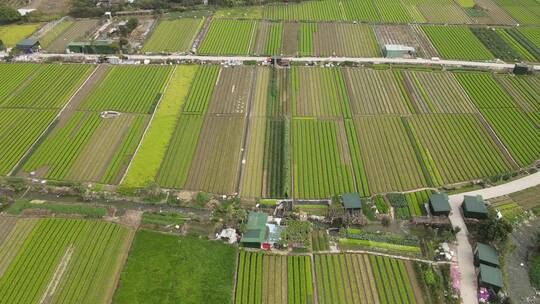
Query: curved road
pixel 465 253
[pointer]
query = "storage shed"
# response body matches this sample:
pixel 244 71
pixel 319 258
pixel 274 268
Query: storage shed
pixel 486 255
pixel 490 278
pixel 28 46
pixel 439 204
pixel 256 230
pixel 398 51
pixel 474 207
pixel 351 201
pixel 94 47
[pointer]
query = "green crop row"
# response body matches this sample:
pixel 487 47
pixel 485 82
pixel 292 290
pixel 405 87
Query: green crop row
pixel 319 170
pixel 201 89
pixel 175 35
pixel 20 128
pixel 446 38
pixel 391 280
pixel 249 278
pixel 89 251
pixel 229 37
pixel 135 89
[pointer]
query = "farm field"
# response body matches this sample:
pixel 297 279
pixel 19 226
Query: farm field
pixel 265 278
pixel 12 76
pixel 218 38
pixel 54 32
pixel 77 30
pixel 61 260
pixel 17 136
pixel 269 39
pixel 163 268
pixel 524 90
pixel 389 157
pixel 88 148
pixel 496 44
pixel 525 12
pixel 321 163
pixel 319 92
pixel 344 39
pixel 509 36
pixel 11 34
pixel 456 147
pixel 50 87
pixel 215 165
pixel 140 95
pixel 373 92
pixel 444 38
pixel 436 92
pixel 148 159
pixel 172 36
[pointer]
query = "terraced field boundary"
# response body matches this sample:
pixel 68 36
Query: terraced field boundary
pixel 55 121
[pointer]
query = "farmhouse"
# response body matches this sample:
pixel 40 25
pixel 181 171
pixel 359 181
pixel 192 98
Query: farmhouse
pixel 490 277
pixel 398 51
pixel 439 205
pixel 256 231
pixel 486 255
pixel 351 201
pixel 474 207
pixel 28 46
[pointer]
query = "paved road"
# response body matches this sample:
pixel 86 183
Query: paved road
pixel 465 253
pixel 418 61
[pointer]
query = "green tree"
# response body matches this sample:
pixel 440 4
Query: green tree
pixel 493 229
pixel 2 46
pixel 8 14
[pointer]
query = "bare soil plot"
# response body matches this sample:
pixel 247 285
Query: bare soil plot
pixel 215 165
pixel 344 39
pixel 444 13
pixel 374 92
pixel 232 91
pixel 290 38
pixel 388 155
pixel 405 35
pixel 6 225
pixel 51 6
pixel 78 30
pixel 440 92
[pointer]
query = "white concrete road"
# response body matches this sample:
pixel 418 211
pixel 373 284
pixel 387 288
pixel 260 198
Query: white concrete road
pixel 379 60
pixel 465 253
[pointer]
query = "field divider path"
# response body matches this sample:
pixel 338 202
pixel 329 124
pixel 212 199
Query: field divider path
pixel 51 125
pixel 165 88
pixel 202 33
pixel 313 279
pixel 247 116
pixel 235 283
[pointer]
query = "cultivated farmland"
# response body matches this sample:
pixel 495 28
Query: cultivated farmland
pixel 77 30
pixel 134 89
pixel 344 39
pixel 59 261
pixel 175 35
pixel 319 92
pixel 215 165
pixel 321 163
pixel 273 279
pixel 389 157
pixel 229 37
pixel 455 148
pixel 11 34
pixel 163 268
pixel 374 92
pixel 446 38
